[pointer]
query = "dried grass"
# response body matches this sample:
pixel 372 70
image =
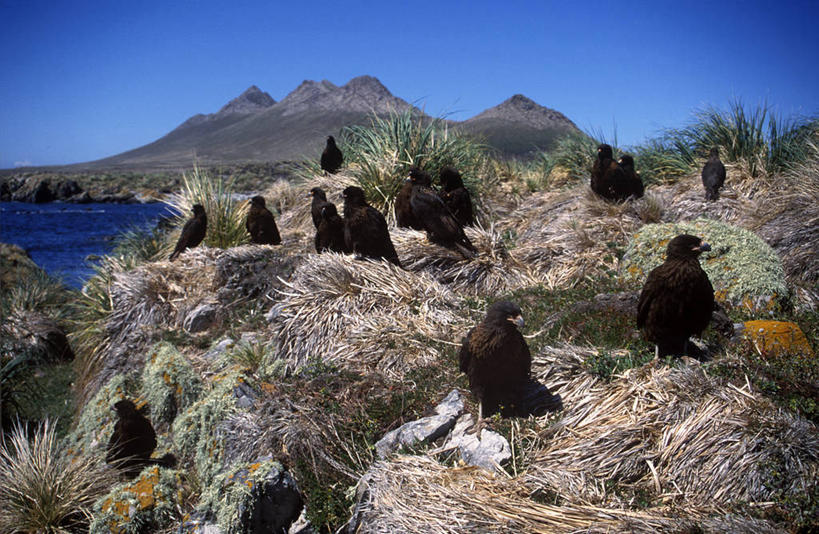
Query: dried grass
pixel 493 271
pixel 416 494
pixel 363 315
pixel 677 433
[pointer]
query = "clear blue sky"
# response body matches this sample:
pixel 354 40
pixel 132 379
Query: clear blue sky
pixel 83 80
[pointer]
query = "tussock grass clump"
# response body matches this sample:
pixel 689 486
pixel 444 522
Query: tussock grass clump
pixel 139 245
pixel 380 155
pixel 226 215
pixel 44 489
pixel 575 154
pixel 493 271
pixel 362 314
pixel 676 435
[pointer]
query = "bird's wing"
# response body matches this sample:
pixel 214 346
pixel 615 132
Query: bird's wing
pixel 652 287
pixel 434 214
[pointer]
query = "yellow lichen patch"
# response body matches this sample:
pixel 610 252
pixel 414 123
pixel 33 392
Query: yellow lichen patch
pixel 774 338
pixel 150 499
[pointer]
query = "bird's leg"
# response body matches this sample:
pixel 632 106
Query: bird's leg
pixel 656 352
pixel 478 426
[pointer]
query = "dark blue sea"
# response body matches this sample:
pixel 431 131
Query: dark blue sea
pixel 59 237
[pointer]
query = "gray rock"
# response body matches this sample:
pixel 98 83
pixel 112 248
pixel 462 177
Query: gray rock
pixel 490 450
pixel 41 335
pixel 34 190
pixel 81 198
pixel 424 430
pixel 245 395
pixel 201 318
pixel 219 349
pixel 67 189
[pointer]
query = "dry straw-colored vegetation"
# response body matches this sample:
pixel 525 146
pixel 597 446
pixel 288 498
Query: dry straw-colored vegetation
pixel 341 350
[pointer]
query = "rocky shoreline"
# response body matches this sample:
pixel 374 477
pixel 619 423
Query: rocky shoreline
pixel 38 190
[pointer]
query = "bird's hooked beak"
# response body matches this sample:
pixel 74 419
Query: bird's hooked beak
pixel 518 320
pixel 704 247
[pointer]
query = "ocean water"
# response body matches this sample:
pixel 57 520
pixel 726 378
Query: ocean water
pixel 61 237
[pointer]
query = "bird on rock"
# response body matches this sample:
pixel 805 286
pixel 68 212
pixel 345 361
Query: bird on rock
pixel 495 357
pixel 193 232
pixel 365 229
pixel 331 157
pixel 260 223
pixel 133 441
pixel 677 298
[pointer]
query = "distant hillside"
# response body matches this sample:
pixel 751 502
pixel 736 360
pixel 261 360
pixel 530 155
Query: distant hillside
pixel 253 127
pixel 519 126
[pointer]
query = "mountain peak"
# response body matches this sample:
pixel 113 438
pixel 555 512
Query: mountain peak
pixel 251 101
pixel 523 110
pixel 360 94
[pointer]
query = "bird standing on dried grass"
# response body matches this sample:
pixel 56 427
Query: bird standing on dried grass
pixel 677 299
pixel 331 157
pixel 633 185
pixel 319 200
pixel 713 175
pixel 193 232
pixel 133 441
pixel 456 196
pixel 495 357
pixel 365 229
pixel 330 231
pixel 260 223
pixel 430 211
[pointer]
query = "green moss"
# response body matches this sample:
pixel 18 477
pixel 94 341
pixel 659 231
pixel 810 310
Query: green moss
pixel 745 272
pixel 146 504
pixel 169 384
pixel 196 429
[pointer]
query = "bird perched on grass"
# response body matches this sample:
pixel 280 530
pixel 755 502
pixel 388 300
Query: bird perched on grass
pixel 319 200
pixel 260 223
pixel 677 299
pixel 330 231
pixel 633 185
pixel 365 229
pixel 713 175
pixel 495 357
pixel 193 232
pixel 133 441
pixel 331 157
pixel 404 218
pixel 455 196
pixel 430 211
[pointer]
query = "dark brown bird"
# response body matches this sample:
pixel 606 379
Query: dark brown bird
pixel 319 200
pixel 260 223
pixel 365 229
pixel 713 175
pixel 331 157
pixel 429 209
pixel 495 357
pixel 677 299
pixel 456 196
pixel 133 441
pixel 404 217
pixel 193 232
pixel 608 179
pixel 633 185
pixel 330 231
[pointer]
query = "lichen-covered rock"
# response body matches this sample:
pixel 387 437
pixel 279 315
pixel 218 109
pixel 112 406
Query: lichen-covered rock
pixel 169 384
pixel 424 430
pixel 776 338
pixel 743 269
pixel 197 430
pixel 254 498
pixel 146 504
